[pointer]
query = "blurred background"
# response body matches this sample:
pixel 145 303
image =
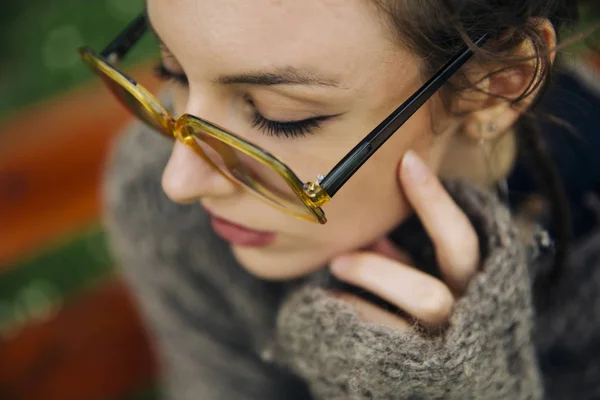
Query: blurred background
pixel 68 329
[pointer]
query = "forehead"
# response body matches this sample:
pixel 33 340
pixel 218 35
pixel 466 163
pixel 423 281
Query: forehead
pixel 347 37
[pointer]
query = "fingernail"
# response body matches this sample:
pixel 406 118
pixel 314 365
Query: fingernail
pixel 340 265
pixel 414 167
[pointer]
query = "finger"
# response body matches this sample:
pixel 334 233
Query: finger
pixel 454 238
pixel 385 247
pixel 369 312
pixel 422 296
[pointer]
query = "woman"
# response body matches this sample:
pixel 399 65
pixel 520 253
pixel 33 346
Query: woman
pixel 414 287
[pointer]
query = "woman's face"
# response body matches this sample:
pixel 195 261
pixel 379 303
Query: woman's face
pixel 331 63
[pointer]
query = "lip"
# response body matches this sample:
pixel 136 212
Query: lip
pixel 238 234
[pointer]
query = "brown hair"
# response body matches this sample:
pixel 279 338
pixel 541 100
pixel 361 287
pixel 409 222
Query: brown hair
pixel 437 29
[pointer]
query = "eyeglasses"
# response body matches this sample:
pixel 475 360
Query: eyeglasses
pixel 240 161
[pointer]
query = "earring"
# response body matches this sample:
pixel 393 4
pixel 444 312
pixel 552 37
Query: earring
pixel 492 127
pixel 487 131
pixel 482 136
pixel 502 189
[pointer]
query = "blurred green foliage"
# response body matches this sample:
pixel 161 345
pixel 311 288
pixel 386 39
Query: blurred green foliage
pixel 152 392
pixel 39 41
pixel 36 285
pixel 589 18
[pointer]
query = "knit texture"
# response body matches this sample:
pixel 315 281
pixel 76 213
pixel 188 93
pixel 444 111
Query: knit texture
pixel 222 333
pixel 486 352
pixel 567 333
pixel 209 318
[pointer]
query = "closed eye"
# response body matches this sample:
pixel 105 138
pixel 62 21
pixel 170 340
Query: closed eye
pixel 288 129
pixel 165 74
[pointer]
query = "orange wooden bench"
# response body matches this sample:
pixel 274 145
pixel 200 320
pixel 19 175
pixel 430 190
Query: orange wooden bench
pixel 51 161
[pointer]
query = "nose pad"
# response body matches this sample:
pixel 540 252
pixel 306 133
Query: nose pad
pixel 188 177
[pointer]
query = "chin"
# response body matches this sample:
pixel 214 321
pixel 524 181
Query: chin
pixel 275 266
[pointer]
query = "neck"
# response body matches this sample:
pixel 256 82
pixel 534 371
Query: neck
pixel 481 163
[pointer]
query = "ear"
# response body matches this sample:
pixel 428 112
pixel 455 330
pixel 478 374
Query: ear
pixel 483 151
pixel 493 113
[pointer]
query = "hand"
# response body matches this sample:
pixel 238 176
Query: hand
pixel 355 351
pixel 387 273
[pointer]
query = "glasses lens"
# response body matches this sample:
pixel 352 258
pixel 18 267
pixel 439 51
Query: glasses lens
pixel 144 106
pixel 251 173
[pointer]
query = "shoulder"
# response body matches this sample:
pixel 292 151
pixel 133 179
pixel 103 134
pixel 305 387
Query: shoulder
pixel 567 331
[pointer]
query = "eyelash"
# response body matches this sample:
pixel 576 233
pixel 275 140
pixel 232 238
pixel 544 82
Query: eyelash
pixel 164 74
pixel 288 129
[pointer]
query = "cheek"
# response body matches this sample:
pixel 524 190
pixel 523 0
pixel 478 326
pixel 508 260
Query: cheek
pixel 367 207
pixel 368 217
pixel 179 96
pixel 373 199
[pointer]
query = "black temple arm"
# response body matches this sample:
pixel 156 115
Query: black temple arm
pixel 119 47
pixel 365 149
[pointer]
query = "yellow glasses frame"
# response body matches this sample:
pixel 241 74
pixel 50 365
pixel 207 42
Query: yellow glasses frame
pixel 313 195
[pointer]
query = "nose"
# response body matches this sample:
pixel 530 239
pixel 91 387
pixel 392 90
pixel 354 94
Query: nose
pixel 188 178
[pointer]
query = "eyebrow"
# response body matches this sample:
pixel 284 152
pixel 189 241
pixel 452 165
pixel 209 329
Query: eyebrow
pixel 279 76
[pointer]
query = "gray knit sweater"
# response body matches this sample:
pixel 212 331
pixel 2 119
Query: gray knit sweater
pixel 223 334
